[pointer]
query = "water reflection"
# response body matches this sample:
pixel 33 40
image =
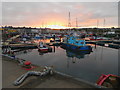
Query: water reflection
pixel 42 40
pixel 23 51
pixel 41 53
pixel 84 65
pixel 77 55
pixel 74 56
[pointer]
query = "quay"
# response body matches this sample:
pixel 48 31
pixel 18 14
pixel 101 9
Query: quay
pixel 13 71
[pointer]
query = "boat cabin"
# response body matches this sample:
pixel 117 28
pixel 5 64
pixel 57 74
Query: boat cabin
pixel 75 41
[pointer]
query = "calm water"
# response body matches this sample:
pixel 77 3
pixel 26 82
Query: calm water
pixel 86 66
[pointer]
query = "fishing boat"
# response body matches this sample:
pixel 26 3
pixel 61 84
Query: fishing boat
pixel 42 47
pixel 110 81
pixel 75 44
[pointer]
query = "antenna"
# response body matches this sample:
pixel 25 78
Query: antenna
pixel 69 21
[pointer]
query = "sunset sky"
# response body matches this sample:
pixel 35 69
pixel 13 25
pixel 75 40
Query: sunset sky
pixel 55 14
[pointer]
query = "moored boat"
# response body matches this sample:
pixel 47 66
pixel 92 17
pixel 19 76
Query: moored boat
pixel 42 47
pixel 110 81
pixel 75 44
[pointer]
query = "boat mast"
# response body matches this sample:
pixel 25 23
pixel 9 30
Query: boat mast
pixel 76 23
pixel 69 21
pixel 97 25
pixel 103 25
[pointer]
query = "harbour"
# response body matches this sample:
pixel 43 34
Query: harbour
pixel 60 45
pixel 69 62
pixel 68 58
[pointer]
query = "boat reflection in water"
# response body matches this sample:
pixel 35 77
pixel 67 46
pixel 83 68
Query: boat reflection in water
pixel 42 53
pixel 25 51
pixel 79 55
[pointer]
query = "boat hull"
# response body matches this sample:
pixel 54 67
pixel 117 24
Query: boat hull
pixel 43 49
pixel 109 81
pixel 96 39
pixel 76 48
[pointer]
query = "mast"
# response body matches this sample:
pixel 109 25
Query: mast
pixel 69 21
pixel 97 25
pixel 76 23
pixel 42 24
pixel 103 25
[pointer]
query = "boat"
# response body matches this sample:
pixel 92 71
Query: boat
pixel 49 36
pixel 57 39
pixel 110 81
pixel 42 47
pixel 95 38
pixel 38 37
pixel 75 44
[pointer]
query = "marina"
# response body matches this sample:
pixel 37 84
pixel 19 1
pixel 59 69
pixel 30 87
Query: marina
pixel 81 59
pixel 60 45
pixel 69 64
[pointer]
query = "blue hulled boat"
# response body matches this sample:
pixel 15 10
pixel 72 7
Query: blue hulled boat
pixel 75 44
